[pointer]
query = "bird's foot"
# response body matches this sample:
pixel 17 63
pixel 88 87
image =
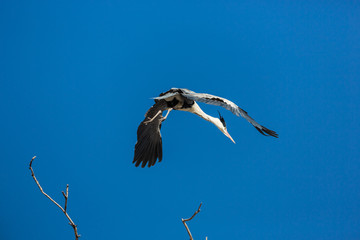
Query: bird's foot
pixel 152 119
pixel 146 122
pixel 168 111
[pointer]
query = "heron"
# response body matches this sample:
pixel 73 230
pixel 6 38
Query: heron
pixel 148 147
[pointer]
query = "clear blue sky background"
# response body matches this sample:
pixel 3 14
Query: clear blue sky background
pixel 77 78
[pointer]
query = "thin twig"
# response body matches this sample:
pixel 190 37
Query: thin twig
pixel 188 219
pixel 65 196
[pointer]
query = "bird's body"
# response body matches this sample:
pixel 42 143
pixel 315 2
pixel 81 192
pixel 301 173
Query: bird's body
pixel 149 143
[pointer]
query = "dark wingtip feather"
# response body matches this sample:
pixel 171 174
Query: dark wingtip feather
pixel 147 152
pixel 267 132
pixel 137 162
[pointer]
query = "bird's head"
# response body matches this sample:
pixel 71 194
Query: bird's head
pixel 222 127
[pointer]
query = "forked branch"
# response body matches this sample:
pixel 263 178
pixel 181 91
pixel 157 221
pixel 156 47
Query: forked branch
pixel 188 219
pixel 66 196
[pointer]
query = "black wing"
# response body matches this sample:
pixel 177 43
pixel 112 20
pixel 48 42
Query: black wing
pixel 149 144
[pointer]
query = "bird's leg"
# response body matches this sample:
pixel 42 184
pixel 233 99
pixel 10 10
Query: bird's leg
pixel 152 119
pixel 168 111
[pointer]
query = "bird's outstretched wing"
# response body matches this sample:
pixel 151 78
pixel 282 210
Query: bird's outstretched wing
pixel 172 92
pixel 149 144
pixel 229 105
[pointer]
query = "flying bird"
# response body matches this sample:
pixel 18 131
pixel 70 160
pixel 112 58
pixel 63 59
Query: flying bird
pixel 149 143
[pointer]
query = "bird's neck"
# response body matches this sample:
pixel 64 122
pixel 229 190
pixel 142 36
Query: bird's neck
pixel 198 111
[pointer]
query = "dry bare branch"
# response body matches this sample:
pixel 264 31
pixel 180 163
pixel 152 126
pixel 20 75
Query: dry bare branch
pixel 66 196
pixel 188 219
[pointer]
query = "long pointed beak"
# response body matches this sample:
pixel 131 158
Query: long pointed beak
pixel 228 135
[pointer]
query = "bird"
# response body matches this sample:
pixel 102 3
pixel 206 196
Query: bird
pixel 148 148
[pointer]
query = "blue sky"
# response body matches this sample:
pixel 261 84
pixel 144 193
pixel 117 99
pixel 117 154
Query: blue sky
pixel 77 78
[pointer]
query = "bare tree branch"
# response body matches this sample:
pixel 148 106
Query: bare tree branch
pixel 188 219
pixel 66 196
